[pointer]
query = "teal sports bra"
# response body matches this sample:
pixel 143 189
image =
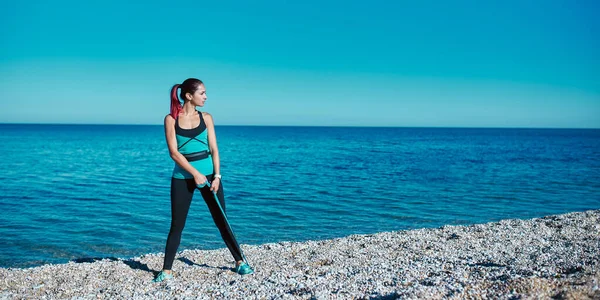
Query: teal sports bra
pixel 193 144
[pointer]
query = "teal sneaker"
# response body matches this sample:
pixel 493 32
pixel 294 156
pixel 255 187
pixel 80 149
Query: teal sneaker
pixel 244 269
pixel 162 276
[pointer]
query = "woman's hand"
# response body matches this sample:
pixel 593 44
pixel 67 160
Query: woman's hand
pixel 200 179
pixel 215 184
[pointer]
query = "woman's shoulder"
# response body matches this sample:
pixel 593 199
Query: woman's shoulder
pixel 169 120
pixel 207 117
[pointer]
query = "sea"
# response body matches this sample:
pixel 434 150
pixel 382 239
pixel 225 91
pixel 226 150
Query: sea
pixel 76 192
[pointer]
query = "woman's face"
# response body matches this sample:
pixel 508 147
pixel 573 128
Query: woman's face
pixel 199 96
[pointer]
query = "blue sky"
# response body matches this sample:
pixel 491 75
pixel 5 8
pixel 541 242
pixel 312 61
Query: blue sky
pixel 340 63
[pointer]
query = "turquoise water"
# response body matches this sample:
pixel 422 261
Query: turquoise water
pixel 81 191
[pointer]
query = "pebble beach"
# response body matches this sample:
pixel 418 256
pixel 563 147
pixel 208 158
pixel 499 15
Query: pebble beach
pixel 551 257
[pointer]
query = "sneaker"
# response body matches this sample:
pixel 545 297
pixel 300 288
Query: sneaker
pixel 244 269
pixel 162 276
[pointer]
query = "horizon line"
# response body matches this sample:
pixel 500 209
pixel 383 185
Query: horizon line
pixel 315 126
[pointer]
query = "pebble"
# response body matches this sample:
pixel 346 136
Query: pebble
pixel 550 257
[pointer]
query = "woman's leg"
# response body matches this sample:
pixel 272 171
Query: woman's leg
pixel 182 191
pixel 219 220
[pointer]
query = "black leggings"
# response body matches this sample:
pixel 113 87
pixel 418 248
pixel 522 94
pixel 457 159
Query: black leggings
pixel 182 191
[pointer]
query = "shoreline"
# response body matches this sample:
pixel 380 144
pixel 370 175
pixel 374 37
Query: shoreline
pixel 552 256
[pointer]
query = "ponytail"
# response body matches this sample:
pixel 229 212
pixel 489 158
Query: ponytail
pixel 175 104
pixel 190 86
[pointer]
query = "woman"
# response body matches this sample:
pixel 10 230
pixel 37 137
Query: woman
pixel 192 144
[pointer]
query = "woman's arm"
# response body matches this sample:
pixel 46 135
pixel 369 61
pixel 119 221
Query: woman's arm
pixel 212 144
pixel 175 155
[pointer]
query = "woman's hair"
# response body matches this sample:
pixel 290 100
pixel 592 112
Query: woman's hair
pixel 190 85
